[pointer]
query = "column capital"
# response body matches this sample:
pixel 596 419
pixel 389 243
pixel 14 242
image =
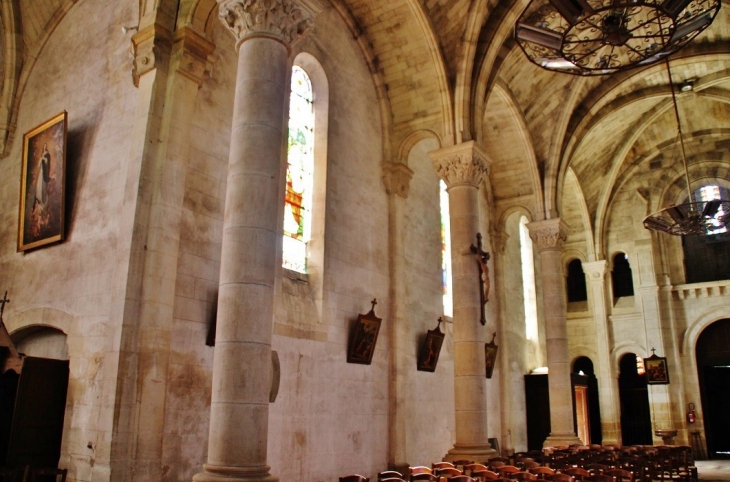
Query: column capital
pixel 148 45
pixel 397 178
pixel 498 240
pixel 194 51
pixel 283 20
pixel 595 270
pixel 465 163
pixel 549 235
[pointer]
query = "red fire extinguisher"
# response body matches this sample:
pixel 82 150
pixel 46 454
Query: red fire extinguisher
pixel 691 417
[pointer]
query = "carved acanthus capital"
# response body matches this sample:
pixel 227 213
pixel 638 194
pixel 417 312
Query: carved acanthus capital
pixel 498 240
pixel 397 178
pixel 194 55
pixel 148 45
pixel 466 163
pixel 283 20
pixel 549 234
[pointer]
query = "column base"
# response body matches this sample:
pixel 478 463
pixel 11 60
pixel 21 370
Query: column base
pixel 216 473
pixel 561 440
pixel 477 453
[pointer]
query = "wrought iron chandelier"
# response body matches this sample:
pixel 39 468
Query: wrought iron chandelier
pixel 597 37
pixel 693 217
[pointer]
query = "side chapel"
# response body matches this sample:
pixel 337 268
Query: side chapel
pixel 243 179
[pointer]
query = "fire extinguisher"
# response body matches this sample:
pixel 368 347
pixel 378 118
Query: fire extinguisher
pixel 691 417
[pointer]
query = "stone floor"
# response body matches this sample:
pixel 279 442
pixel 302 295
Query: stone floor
pixel 713 469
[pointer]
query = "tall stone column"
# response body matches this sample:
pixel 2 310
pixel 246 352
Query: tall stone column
pixel 463 168
pixel 239 412
pixel 549 235
pixel 396 178
pixel 595 272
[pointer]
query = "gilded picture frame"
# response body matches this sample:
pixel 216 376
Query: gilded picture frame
pixel 363 338
pixel 42 184
pixel 428 356
pixel 657 372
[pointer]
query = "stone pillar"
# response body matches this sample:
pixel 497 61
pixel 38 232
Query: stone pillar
pixel 463 168
pixel 549 235
pixel 607 373
pixel 397 177
pixel 239 412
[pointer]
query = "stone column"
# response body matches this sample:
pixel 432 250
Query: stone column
pixel 463 168
pixel 549 235
pixel 595 272
pixel 397 177
pixel 239 412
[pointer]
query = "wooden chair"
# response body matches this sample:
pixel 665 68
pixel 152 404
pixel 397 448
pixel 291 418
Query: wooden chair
pixel 442 465
pixel 543 471
pixel 530 465
pixel 621 475
pixel 600 478
pixel 461 463
pixel 59 475
pixel 596 469
pixel 505 460
pixel 461 478
pixel 448 472
pixel 392 479
pixel 468 469
pixel 560 478
pixel 522 476
pixel 429 477
pixel 507 470
pixel 389 474
pixel 484 475
pixel 354 478
pixel 578 473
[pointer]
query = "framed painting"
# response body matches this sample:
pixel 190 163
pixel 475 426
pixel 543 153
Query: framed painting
pixel 656 370
pixel 428 356
pixel 42 184
pixel 490 355
pixel 363 338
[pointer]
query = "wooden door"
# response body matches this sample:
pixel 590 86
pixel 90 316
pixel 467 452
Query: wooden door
pixel 582 414
pixel 40 405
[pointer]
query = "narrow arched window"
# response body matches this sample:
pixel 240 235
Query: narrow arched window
pixel 623 281
pixel 576 282
pixel 299 173
pixel 707 257
pixel 446 285
pixel 528 281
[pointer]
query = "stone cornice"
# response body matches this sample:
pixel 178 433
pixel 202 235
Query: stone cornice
pixel 397 178
pixel 549 235
pixel 282 20
pixel 462 164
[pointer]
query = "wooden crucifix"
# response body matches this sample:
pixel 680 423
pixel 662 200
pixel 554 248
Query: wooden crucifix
pixel 482 257
pixel 2 304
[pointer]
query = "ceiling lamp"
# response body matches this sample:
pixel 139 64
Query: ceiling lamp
pixel 597 37
pixel 708 216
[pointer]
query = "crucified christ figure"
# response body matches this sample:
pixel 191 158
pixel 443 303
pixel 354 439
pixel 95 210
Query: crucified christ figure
pixel 482 260
pixel 482 257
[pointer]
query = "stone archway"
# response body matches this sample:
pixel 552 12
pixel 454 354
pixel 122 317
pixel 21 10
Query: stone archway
pixel 713 369
pixel 634 397
pixel 583 366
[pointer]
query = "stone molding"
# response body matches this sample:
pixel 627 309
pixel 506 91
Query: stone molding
pixel 549 234
pixel 595 270
pixel 195 62
pixel 397 178
pixel 282 20
pixel 148 45
pixel 462 164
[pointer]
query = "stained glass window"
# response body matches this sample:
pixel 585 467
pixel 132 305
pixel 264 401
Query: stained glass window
pixel 300 167
pixel 446 285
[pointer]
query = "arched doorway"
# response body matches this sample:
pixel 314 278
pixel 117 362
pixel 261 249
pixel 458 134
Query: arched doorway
pixel 583 367
pixel 634 397
pixel 713 367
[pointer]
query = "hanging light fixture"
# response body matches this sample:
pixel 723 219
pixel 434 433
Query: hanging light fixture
pixel 709 216
pixel 597 37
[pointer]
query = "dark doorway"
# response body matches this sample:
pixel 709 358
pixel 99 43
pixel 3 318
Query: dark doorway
pixel 537 407
pixel 634 398
pixel 585 365
pixel 713 365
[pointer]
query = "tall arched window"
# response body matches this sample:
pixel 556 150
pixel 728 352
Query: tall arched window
pixel 446 252
pixel 528 281
pixel 299 173
pixel 623 281
pixel 707 258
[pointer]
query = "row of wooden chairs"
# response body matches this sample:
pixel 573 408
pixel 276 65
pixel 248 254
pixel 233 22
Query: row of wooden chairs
pixel 32 474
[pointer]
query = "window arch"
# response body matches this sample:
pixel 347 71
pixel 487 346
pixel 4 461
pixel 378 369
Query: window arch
pixel 576 282
pixel 621 276
pixel 306 167
pixel 707 258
